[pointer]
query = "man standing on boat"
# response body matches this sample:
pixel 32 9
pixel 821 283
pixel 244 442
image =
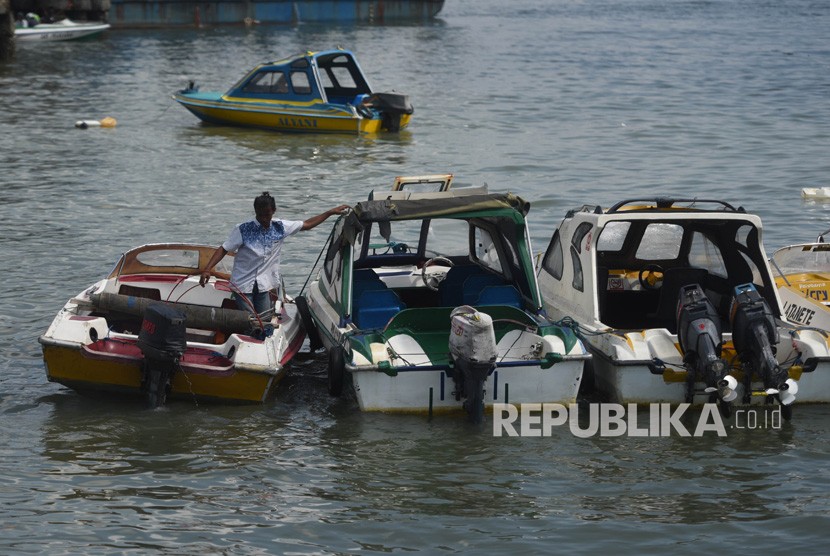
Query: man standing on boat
pixel 258 244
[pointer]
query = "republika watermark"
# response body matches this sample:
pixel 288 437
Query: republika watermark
pixel 612 419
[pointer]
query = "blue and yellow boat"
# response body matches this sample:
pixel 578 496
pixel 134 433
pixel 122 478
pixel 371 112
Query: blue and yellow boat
pixel 323 92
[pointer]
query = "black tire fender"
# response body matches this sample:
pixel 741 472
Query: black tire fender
pixel 311 331
pixel 336 370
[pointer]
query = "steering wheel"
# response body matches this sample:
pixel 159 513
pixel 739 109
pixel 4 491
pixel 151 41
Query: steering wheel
pixel 432 279
pixel 651 284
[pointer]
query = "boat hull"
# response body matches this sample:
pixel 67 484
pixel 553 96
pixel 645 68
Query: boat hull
pixel 420 391
pixel 59 32
pixel 282 118
pixel 75 368
pixel 627 373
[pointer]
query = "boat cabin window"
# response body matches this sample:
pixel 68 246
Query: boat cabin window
pixel 660 242
pixel 448 237
pixel 612 237
pixel 756 274
pixel 742 235
pixel 300 83
pixel 333 270
pixel 578 282
pixel 170 258
pixel 703 253
pixel 554 261
pixel 581 231
pixel 485 250
pixel 267 82
pixel 335 78
pixel 404 237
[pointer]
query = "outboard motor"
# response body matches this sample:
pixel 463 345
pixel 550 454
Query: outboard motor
pixel 754 334
pixel 473 349
pixel 163 341
pixel 699 334
pixel 391 107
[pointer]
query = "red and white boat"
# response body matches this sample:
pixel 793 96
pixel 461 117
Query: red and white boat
pixel 149 329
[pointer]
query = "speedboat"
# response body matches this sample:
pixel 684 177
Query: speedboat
pixel 426 301
pixel 676 302
pixel 63 30
pixel 322 92
pixel 150 330
pixel 803 280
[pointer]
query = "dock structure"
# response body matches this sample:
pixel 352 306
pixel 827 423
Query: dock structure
pixel 199 13
pixel 6 30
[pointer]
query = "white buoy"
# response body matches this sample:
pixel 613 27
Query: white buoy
pixel 106 122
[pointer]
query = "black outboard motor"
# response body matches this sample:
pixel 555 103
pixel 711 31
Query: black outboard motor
pixel 473 349
pixel 699 334
pixel 163 341
pixel 392 106
pixel 754 334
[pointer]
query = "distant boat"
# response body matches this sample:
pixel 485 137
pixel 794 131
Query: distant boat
pixel 64 30
pixel 320 92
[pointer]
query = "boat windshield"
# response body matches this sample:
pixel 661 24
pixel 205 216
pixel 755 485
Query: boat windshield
pixel 800 259
pixel 172 259
pixel 447 237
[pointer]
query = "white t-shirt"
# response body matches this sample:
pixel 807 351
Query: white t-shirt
pixel 258 253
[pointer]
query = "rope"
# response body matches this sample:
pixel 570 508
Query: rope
pixel 331 234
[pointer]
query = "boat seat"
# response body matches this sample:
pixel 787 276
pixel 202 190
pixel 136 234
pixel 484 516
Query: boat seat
pixel 477 282
pixel 673 280
pixel 500 295
pixel 365 279
pixel 451 287
pixel 375 308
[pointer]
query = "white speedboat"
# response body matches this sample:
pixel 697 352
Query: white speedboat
pixel 676 302
pixel 64 30
pixel 427 301
pixel 149 329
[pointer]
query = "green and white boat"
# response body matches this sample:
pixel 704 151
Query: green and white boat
pixel 427 301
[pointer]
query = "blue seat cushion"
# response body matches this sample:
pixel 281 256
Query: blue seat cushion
pixel 452 286
pixel 500 295
pixel 375 308
pixel 477 282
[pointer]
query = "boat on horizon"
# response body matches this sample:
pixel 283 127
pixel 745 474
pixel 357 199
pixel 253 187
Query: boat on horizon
pixel 311 92
pixel 63 30
pixel 149 329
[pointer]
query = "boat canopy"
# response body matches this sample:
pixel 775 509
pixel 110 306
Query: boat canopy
pixel 471 206
pixel 170 258
pixel 331 76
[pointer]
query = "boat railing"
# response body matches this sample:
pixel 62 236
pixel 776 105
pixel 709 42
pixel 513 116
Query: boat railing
pixel 665 203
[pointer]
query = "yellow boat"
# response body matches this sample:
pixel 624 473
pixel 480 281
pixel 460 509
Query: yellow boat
pixel 317 92
pixel 803 281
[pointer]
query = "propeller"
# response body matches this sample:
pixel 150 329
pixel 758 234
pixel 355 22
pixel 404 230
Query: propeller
pixel 726 388
pixel 788 391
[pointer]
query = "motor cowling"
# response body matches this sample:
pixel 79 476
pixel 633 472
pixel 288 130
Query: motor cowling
pixel 391 106
pixel 700 337
pixel 163 341
pixel 754 335
pixel 473 349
